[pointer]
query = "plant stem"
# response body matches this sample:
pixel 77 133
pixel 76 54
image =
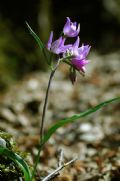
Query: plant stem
pixel 43 117
pixel 46 100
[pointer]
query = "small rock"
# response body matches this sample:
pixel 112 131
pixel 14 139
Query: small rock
pixel 2 143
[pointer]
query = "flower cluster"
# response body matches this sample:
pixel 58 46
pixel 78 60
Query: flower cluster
pixel 77 54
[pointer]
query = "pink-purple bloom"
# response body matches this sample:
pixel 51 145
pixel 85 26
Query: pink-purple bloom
pixel 71 29
pixel 74 55
pixel 79 55
pixel 57 46
pixel 80 64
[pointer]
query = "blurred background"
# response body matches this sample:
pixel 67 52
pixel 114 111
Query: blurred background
pixel 24 77
pixel 19 54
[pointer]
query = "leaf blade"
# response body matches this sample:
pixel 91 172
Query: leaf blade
pixel 41 45
pixel 18 160
pixel 75 117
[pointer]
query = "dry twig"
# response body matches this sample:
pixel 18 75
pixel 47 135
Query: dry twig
pixel 61 165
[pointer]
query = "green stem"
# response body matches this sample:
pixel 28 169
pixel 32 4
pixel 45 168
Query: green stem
pixel 43 118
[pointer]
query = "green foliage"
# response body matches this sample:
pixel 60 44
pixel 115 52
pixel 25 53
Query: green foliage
pixel 74 118
pixel 12 165
pixel 39 42
pixel 18 160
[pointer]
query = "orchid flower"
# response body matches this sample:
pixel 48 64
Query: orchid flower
pixel 79 55
pixel 70 29
pixel 57 46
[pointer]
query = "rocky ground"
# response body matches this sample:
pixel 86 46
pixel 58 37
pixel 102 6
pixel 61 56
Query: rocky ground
pixel 95 140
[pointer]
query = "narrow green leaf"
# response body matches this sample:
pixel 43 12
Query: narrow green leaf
pixel 74 118
pixel 18 160
pixel 41 45
pixel 39 42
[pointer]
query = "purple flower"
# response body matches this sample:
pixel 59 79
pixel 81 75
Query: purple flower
pixel 80 64
pixel 57 46
pixel 79 55
pixel 70 29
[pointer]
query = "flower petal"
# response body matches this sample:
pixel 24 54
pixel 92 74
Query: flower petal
pixel 83 51
pixel 56 44
pixel 79 64
pixel 67 26
pixel 48 46
pixel 77 42
pixel 70 29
